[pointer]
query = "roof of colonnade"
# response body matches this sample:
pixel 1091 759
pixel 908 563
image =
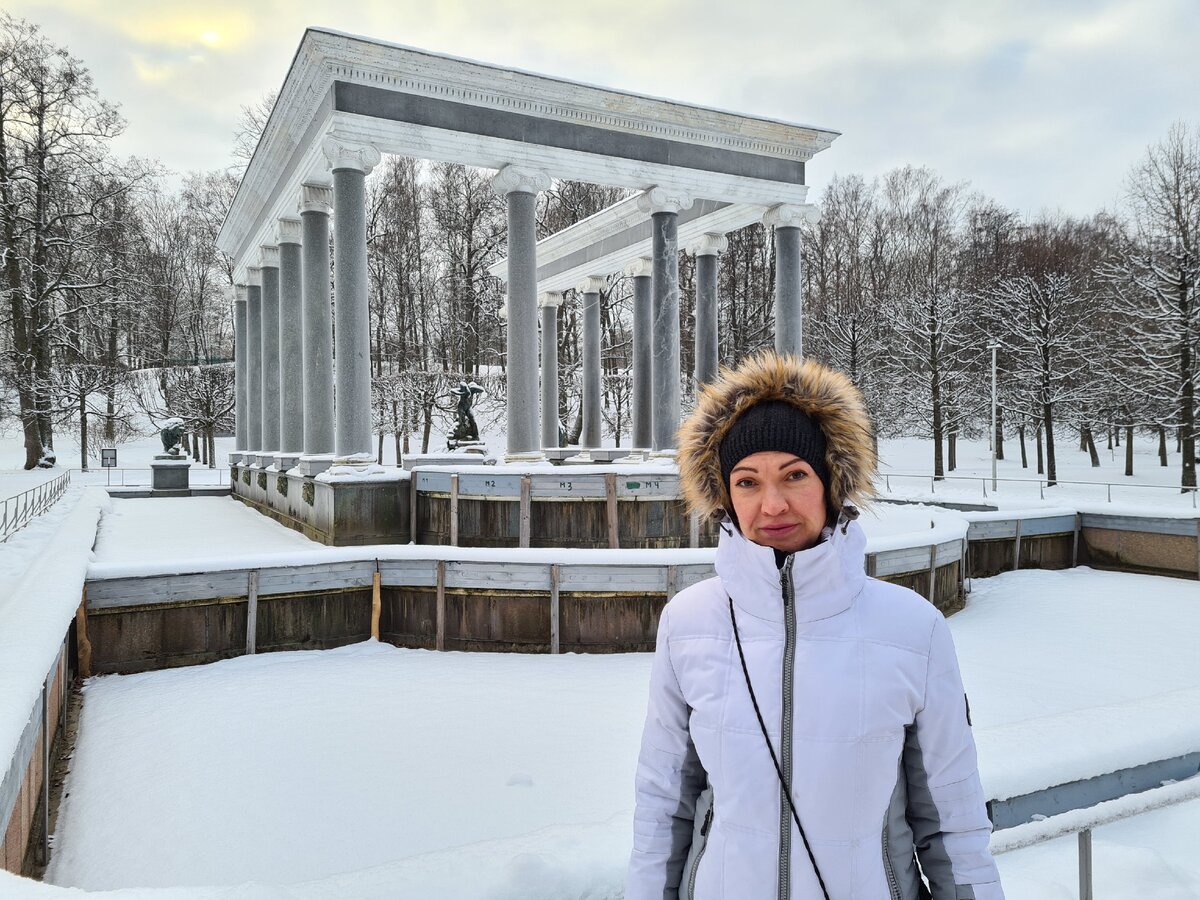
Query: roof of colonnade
pixel 426 105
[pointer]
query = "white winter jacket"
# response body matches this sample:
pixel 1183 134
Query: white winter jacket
pixel 860 691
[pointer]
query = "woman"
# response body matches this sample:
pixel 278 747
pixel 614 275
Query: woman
pixel 807 733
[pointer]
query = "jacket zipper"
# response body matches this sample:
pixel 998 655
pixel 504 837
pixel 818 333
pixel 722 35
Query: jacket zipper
pixel 708 816
pixel 893 885
pixel 785 736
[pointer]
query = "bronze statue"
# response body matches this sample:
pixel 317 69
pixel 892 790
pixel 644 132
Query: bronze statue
pixel 172 433
pixel 466 431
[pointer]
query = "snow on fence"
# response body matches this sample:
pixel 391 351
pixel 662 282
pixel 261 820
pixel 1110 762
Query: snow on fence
pixel 139 477
pixel 19 510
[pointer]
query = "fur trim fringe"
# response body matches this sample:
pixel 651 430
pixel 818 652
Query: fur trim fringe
pixel 827 396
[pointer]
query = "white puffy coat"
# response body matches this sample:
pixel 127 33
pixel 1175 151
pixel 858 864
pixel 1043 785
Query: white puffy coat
pixel 860 691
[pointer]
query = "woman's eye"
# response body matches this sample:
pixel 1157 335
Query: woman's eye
pixel 797 474
pixel 744 483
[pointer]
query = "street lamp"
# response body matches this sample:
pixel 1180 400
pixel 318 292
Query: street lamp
pixel 993 346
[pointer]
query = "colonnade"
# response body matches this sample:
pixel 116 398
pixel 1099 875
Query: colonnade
pixel 295 408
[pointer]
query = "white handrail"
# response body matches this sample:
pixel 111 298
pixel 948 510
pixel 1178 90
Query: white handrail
pixel 1042 483
pixel 1083 821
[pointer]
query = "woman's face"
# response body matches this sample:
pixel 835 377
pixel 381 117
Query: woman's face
pixel 778 500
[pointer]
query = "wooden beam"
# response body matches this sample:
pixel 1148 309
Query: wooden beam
pixel 526 489
pixel 440 640
pixel 454 510
pixel 252 611
pixel 376 602
pixel 81 634
pixel 610 503
pixel 554 611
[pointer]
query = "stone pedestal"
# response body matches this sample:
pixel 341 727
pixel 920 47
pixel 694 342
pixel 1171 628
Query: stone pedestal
pixel 314 463
pixel 170 474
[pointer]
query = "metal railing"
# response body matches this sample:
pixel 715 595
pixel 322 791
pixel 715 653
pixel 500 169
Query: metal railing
pixel 1083 822
pixel 1042 483
pixel 19 510
pixel 198 476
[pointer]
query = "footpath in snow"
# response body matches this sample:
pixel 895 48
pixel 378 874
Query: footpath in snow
pixel 371 771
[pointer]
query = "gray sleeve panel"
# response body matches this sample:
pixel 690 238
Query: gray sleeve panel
pixel 899 841
pixel 925 822
pixel 668 782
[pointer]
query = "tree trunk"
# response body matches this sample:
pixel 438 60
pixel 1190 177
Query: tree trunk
pixel 1048 420
pixel 83 431
pixel 1187 403
pixel 939 470
pixel 1082 438
pixel 1041 460
pixel 952 450
pixel 1162 446
pixel 379 448
pixel 212 446
pixel 1090 442
pixel 195 445
pixel 1129 450
pixel 1021 435
pixel 1110 435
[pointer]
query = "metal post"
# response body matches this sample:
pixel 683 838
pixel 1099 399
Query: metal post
pixel 45 771
pixel 1085 864
pixel 992 442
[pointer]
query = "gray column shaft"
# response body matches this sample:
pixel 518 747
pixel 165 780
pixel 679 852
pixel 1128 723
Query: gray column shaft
pixel 317 325
pixel 241 374
pixel 352 432
pixel 254 367
pixel 291 351
pixel 789 304
pixel 591 370
pixel 706 319
pixel 643 330
pixel 270 358
pixel 549 376
pixel 521 369
pixel 666 330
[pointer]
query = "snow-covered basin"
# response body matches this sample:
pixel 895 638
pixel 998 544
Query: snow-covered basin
pixel 371 771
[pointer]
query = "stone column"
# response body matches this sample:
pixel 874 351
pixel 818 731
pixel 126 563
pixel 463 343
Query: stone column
pixel 708 251
pixel 786 219
pixel 643 330
pixel 549 304
pixel 270 351
pixel 253 364
pixel 520 186
pixel 664 205
pixel 291 346
pixel 351 163
pixel 316 203
pixel 241 431
pixel 590 289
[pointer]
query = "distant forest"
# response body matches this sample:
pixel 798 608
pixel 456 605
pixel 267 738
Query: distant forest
pixel 110 268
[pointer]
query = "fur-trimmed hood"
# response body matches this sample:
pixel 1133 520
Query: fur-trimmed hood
pixel 826 396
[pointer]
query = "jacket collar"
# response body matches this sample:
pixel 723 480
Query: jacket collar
pixel 825 578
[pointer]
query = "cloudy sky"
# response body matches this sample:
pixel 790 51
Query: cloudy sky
pixel 1042 105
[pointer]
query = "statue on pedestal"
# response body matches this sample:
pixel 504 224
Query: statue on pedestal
pixel 466 430
pixel 172 434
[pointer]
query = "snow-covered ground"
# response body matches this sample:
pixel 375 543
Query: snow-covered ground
pixel 370 771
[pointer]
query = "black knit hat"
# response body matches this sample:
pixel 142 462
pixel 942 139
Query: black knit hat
pixel 774 425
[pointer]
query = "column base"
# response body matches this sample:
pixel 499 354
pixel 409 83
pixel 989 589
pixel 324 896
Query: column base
pixel 582 458
pixel 634 457
pixel 663 456
pixel 314 464
pixel 286 461
pixel 525 456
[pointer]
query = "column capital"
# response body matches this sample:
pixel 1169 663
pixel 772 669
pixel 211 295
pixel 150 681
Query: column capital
pixel 253 277
pixel 792 215
pixel 642 267
pixel 549 299
pixel 520 179
pixel 315 198
pixel 664 199
pixel 239 293
pixel 711 244
pixel 593 284
pixel 268 256
pixel 289 231
pixel 343 154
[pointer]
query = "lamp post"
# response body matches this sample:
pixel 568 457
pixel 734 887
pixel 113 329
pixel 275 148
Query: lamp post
pixel 993 346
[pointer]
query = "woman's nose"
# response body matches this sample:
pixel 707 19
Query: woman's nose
pixel 773 500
